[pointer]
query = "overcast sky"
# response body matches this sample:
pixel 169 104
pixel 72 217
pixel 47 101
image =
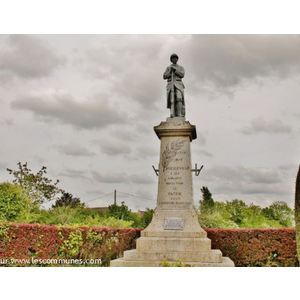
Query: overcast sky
pixel 85 106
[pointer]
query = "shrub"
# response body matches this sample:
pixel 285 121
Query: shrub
pixel 256 247
pixel 246 247
pixel 13 202
pixel 27 241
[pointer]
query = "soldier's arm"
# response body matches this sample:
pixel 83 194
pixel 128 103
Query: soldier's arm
pixel 167 73
pixel 180 71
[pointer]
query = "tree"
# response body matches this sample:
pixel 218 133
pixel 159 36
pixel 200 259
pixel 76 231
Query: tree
pixel 297 213
pixel 281 212
pixel 237 210
pixel 119 212
pixel 207 203
pixel 123 213
pixel 38 187
pixel 147 217
pixel 63 215
pixel 13 202
pixel 67 199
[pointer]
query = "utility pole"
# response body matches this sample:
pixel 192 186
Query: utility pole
pixel 115 197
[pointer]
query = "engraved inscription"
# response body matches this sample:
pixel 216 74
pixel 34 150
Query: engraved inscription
pixel 173 223
pixel 171 151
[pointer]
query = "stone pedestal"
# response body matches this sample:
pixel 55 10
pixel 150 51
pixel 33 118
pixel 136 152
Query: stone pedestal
pixel 174 232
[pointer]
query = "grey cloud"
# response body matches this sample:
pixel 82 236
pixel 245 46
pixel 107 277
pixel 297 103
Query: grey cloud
pixel 113 147
pixel 289 167
pixel 125 134
pixel 8 122
pixel 260 188
pixel 261 175
pixel 144 152
pixel 246 180
pixel 226 61
pixel 52 105
pixel 200 137
pixel 109 177
pixel 146 196
pixel 264 175
pixel 40 160
pixel 131 63
pixel 74 149
pixel 5 77
pixel 259 125
pixel 213 63
pixel 3 165
pixel 141 178
pixel 205 153
pixel 27 56
pixel 121 177
pixel 75 174
pixel 124 53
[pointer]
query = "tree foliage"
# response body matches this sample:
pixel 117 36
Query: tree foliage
pixel 280 212
pixel 38 187
pixel 13 202
pixel 67 199
pixel 121 212
pixel 147 217
pixel 237 214
pixel 207 203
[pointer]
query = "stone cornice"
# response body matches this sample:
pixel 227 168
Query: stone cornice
pixel 174 128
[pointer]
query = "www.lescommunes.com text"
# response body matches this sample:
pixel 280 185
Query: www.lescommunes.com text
pixel 4 261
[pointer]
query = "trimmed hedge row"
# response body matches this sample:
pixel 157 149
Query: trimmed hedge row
pixel 256 247
pixel 28 241
pixel 246 247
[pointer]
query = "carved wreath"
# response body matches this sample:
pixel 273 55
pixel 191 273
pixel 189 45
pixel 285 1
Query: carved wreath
pixel 170 152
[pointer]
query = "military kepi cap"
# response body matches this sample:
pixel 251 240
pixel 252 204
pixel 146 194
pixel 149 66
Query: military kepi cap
pixel 173 55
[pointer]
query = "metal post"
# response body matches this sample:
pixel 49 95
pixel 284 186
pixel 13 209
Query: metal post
pixel 115 197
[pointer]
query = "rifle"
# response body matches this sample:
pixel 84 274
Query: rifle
pixel 172 98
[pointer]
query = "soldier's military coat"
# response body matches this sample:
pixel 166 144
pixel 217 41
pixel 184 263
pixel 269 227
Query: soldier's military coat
pixel 178 84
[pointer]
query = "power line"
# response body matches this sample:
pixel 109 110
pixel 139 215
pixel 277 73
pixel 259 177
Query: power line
pixel 100 197
pixel 135 196
pixel 141 197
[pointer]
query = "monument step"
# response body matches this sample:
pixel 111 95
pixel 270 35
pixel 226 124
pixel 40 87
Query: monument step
pixel 226 262
pixel 214 256
pixel 170 244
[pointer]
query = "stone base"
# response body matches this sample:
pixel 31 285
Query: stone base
pixel 213 256
pixel 189 245
pixel 191 228
pixel 175 119
pixel 121 262
pixel 174 233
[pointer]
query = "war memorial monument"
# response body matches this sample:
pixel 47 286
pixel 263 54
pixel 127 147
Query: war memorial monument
pixel 174 232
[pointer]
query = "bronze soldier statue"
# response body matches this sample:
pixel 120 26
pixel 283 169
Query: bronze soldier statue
pixel 175 88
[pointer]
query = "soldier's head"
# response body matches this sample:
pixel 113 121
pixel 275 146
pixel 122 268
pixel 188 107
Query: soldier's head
pixel 174 58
